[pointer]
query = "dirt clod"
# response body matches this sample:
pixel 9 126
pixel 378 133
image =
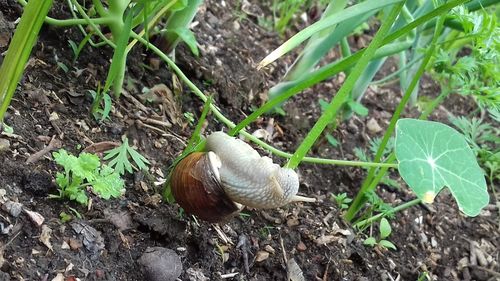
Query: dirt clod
pixel 160 264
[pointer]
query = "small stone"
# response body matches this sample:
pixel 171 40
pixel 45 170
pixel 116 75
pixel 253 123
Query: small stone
pixel 65 245
pixel 301 246
pixel 269 249
pixel 373 126
pixel 4 145
pixel 236 25
pixel 261 256
pixel 160 264
pixel 14 208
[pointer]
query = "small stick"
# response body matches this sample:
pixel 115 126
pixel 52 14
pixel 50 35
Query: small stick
pixel 53 144
pixel 243 244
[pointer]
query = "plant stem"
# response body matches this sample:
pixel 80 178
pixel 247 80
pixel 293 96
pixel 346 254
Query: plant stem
pixel 430 108
pixel 339 99
pixel 230 124
pixel 396 209
pixel 371 182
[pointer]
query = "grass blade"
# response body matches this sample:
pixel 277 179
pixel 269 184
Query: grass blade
pixel 20 49
pixel 351 12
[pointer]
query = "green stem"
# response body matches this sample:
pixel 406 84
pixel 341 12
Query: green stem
pixel 370 183
pixel 437 101
pixel 70 22
pixel 396 209
pixel 339 99
pixel 230 124
pixel 88 21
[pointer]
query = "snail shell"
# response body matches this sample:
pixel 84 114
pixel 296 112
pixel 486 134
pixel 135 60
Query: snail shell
pixel 196 187
pixel 211 184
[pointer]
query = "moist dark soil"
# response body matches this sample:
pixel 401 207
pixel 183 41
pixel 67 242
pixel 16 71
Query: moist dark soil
pixel 107 238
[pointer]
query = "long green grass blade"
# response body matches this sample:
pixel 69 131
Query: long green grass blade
pixel 317 50
pixel 20 49
pixel 339 99
pixel 286 90
pixel 351 12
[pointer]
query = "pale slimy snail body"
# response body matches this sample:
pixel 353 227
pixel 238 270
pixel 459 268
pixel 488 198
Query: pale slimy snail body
pixel 232 171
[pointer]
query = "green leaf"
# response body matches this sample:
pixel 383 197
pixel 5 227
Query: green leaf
pixel 119 156
pixel 61 180
pixel 370 241
pixel 357 10
pixel 431 156
pixel 188 37
pixel 332 140
pixel 179 5
pixel 77 193
pixel 387 244
pixel 109 184
pixel 357 108
pixel 385 228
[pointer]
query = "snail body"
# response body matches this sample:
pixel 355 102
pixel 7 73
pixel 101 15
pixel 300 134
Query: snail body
pixel 232 171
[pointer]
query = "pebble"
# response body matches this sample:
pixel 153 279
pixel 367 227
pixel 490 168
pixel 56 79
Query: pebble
pixel 160 264
pixel 4 145
pixel 14 208
pixel 261 256
pixel 301 246
pixel 373 126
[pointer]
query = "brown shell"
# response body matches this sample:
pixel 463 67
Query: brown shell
pixel 197 190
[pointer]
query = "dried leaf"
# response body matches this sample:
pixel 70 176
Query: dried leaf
pixel 294 272
pixel 45 236
pixel 261 256
pixel 35 217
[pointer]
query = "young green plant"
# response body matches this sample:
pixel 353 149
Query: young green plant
pixel 85 172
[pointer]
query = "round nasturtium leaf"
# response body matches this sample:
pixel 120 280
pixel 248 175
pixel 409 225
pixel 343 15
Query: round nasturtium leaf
pixel 431 156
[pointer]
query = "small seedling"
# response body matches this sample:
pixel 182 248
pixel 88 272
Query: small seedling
pixel 120 158
pixel 189 117
pixel 65 217
pixel 342 200
pixel 82 172
pixel 384 232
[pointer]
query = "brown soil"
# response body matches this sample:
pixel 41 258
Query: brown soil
pixel 435 239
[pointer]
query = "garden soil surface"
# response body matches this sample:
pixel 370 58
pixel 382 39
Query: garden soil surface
pixel 106 242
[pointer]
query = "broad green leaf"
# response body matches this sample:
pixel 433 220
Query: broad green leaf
pixel 431 156
pixel 387 244
pixel 370 241
pixel 385 228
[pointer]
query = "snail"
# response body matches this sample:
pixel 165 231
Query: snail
pixel 215 184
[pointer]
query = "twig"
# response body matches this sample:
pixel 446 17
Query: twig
pixel 243 244
pixel 283 250
pixel 136 102
pixel 53 144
